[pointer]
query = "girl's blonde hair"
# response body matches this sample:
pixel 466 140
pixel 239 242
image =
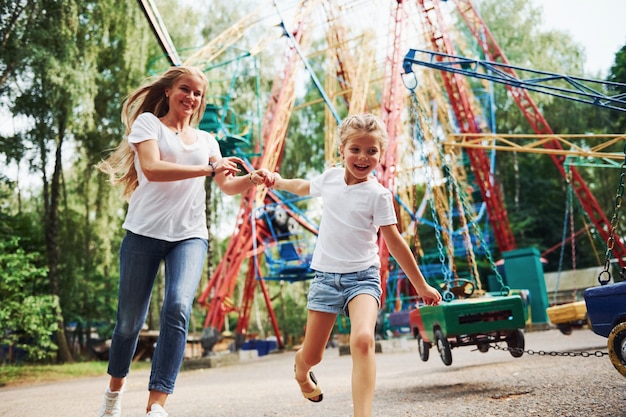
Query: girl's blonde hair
pixel 361 125
pixel 150 97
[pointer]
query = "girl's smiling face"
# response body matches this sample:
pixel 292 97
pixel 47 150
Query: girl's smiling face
pixel 361 155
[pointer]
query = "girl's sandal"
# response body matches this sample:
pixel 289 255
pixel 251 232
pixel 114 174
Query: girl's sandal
pixel 317 392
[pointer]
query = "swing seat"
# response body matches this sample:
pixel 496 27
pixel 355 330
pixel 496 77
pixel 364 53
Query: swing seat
pixel 606 307
pixel 290 262
pixel 566 313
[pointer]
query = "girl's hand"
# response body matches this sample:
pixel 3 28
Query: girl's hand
pixel 273 180
pixel 431 296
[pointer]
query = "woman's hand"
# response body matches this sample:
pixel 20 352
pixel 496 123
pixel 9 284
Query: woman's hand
pixel 227 165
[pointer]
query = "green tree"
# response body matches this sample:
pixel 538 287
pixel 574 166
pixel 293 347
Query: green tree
pixel 29 319
pixel 68 85
pixel 617 74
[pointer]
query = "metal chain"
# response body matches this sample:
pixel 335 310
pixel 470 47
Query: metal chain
pixel 418 115
pixel 504 289
pixel 419 138
pixel 597 353
pixel 568 213
pixel 610 243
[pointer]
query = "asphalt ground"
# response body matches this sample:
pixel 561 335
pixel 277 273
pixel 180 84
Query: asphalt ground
pixel 551 379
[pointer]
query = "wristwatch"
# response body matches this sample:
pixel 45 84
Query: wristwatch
pixel 212 165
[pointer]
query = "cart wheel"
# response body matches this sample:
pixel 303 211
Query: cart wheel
pixel 483 347
pixel 515 342
pixel 443 347
pixel 423 347
pixel 565 328
pixel 617 347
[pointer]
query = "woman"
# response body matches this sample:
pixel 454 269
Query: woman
pixel 162 165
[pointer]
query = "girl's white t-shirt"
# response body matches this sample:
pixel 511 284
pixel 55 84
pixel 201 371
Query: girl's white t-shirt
pixel 169 210
pixel 351 217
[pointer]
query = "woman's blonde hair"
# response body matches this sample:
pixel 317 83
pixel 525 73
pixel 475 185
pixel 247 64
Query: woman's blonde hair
pixel 361 125
pixel 150 97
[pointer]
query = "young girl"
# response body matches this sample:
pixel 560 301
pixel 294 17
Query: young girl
pixel 346 260
pixel 162 163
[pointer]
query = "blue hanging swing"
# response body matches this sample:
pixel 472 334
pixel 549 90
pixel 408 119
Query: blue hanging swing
pixel 606 304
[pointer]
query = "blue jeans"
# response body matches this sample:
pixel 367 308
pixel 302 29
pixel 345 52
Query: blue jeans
pixel 140 259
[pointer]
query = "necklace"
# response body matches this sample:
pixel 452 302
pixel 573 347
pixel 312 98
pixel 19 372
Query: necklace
pixel 176 131
pixel 179 132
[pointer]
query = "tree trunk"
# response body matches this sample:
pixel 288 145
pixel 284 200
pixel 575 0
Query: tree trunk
pixel 52 244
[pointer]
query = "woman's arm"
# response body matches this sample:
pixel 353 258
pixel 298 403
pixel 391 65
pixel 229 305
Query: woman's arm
pixel 157 170
pixel 225 170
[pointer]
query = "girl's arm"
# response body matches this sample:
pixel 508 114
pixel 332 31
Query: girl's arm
pixel 403 255
pixel 296 186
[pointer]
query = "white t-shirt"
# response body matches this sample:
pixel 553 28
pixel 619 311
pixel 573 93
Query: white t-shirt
pixel 351 216
pixel 169 210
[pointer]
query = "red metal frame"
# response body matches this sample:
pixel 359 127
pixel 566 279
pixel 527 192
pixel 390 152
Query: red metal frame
pixel 217 295
pixel 391 109
pixel 539 124
pixel 457 89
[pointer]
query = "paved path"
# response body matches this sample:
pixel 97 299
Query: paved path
pixel 476 384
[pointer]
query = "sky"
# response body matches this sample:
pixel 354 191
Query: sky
pixel 596 24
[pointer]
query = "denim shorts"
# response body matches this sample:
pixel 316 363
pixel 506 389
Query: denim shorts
pixel 331 292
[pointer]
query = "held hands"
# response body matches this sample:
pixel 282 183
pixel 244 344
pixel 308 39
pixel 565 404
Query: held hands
pixel 262 176
pixel 271 181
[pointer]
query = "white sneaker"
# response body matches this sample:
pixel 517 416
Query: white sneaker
pixel 112 404
pixel 156 411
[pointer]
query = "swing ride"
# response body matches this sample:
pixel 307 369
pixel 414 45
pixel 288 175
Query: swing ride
pixel 468 315
pixel 567 316
pixel 606 305
pixel 269 230
pixel 477 321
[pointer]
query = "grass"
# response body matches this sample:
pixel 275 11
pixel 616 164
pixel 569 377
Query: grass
pixel 11 375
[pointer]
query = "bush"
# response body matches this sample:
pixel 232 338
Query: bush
pixel 28 320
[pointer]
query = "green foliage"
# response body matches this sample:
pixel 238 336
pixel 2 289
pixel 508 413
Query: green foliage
pixel 618 74
pixel 28 320
pixel 291 314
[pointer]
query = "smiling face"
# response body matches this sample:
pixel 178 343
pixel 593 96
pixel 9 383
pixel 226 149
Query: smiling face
pixel 362 143
pixel 186 95
pixel 361 155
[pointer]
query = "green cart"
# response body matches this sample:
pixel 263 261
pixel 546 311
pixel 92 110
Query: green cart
pixel 477 321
